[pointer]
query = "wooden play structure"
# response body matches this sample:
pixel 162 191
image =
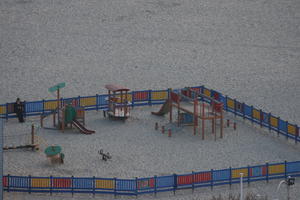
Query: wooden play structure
pixel 193 106
pixel 33 145
pixel 70 116
pixel 118 104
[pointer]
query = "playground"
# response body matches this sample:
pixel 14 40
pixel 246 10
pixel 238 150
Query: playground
pixel 248 50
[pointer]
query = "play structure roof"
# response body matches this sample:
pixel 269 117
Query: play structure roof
pixel 116 88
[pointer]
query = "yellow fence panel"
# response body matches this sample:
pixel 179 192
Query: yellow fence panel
pixel 206 92
pixel 2 110
pixel 50 105
pixel 292 129
pixel 88 101
pixel 40 182
pixel 159 95
pixel 256 114
pixel 274 121
pixel 230 103
pixel 105 184
pixel 276 169
pixel 236 173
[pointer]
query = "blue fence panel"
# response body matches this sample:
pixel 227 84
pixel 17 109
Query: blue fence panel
pixel 36 106
pixel 257 171
pixel 102 100
pixel 248 110
pixel 165 181
pixel 293 167
pixel 18 182
pixel 126 185
pixel 265 118
pixel 82 183
pixel 283 126
pixel 221 175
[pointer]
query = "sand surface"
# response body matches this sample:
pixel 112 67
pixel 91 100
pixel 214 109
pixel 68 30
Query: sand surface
pixel 245 49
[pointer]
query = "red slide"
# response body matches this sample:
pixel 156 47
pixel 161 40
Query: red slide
pixel 81 128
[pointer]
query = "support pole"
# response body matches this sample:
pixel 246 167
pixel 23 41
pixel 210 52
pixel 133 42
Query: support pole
pixel 203 121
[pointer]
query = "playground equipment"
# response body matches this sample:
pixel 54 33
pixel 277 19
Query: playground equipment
pixel 54 154
pixel 33 145
pixel 70 116
pixel 189 110
pixel 118 104
pixel 105 156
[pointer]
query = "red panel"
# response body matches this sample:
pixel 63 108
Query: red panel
pixel 147 183
pixel 5 181
pixel 202 177
pixel 264 170
pixel 140 96
pixel 185 180
pixel 61 183
pixel 216 96
pixel 174 97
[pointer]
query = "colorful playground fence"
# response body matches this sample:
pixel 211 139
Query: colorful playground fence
pixel 154 184
pixel 151 97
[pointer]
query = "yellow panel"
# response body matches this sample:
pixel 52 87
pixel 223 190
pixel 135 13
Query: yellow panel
pixel 230 103
pixel 206 92
pixel 274 121
pixel 276 169
pixel 236 173
pixel 161 95
pixel 88 101
pixel 256 114
pixel 292 129
pixel 50 105
pixel 2 109
pixel 40 182
pixel 106 184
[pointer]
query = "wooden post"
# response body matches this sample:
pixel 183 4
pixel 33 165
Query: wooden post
pixel 163 129
pixel 169 133
pixel 195 116
pixel 203 115
pixel 156 126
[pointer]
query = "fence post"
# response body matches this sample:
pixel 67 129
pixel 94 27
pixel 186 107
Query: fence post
pixel 150 97
pixel 78 100
pixel 29 184
pixel 267 172
pixel 230 175
pixel 234 107
pixel 6 114
pixel 25 113
pixel 243 109
pixel 193 181
pixel 94 183
pixel 252 115
pixel 278 119
pixel 211 179
pixel 248 168
pixel 43 106
pixel 72 185
pixel 175 183
pixel 8 182
pixel 136 186
pixel 115 188
pixel 269 121
pixel 97 107
pixel 260 118
pixel 132 99
pixel 226 99
pixel 285 171
pixel 155 185
pixel 297 133
pixel 51 184
pixel 287 132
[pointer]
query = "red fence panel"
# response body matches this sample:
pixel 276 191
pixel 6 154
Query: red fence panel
pixel 202 177
pixel 61 182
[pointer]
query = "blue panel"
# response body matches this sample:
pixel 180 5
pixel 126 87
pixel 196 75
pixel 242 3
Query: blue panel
pixel 101 101
pixel 83 183
pixel 221 175
pixel 165 181
pixel 283 126
pixel 265 117
pixel 223 100
pixel 126 185
pixel 256 171
pixel 34 106
pixel 248 110
pixel 18 182
pixel 293 167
